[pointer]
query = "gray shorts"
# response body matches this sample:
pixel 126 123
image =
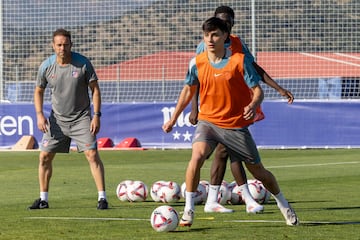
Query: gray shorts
pixel 59 136
pixel 238 142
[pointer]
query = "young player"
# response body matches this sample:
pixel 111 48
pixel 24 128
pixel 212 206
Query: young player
pixel 218 166
pixel 227 109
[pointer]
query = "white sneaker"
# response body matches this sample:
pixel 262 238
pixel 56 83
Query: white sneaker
pixel 290 216
pixel 216 207
pixel 187 218
pixel 254 208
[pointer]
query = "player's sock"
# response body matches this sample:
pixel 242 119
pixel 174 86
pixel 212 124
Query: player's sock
pixel 189 200
pixel 101 195
pixel 213 194
pixel 281 201
pixel 44 196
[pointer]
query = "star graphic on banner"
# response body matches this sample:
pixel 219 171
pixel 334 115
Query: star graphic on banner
pixel 187 136
pixel 176 135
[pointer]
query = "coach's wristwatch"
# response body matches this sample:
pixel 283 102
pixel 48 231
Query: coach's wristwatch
pixel 97 114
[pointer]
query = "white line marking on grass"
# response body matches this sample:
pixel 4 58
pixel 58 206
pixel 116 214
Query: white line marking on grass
pixel 312 165
pixel 86 218
pixel 211 218
pixel 301 222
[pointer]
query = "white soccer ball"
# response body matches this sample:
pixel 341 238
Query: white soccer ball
pixel 121 190
pixel 257 190
pixel 169 193
pixel 200 194
pixel 155 188
pixel 224 195
pixel 164 219
pixel 206 184
pixel 236 196
pixel 137 191
pixel 267 194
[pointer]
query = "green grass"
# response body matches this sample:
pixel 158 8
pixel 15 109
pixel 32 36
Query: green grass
pixel 322 186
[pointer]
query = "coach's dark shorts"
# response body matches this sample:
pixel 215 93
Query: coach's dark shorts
pixel 238 142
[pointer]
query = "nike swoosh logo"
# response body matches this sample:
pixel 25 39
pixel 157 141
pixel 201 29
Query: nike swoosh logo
pixel 217 74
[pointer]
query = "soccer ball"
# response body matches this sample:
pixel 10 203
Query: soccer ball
pixel 155 189
pixel 257 190
pixel 164 219
pixel 137 191
pixel 224 195
pixel 200 194
pixel 121 190
pixel 169 193
pixel 236 196
pixel 206 184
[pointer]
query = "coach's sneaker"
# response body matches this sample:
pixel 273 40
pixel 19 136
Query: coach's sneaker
pixel 39 204
pixel 290 216
pixel 254 208
pixel 216 207
pixel 187 218
pixel 102 204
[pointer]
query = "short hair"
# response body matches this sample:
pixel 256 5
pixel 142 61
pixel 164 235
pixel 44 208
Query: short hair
pixel 225 9
pixel 61 32
pixel 213 24
pixel 226 14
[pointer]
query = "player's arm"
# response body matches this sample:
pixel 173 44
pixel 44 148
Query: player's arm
pixel 269 81
pixel 96 99
pixel 257 98
pixel 38 104
pixel 193 118
pixel 186 94
pixel 265 77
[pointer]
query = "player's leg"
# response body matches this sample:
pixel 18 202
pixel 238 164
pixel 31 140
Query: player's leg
pixel 98 173
pixel 50 145
pixel 202 147
pixel 270 183
pixel 45 170
pixel 239 174
pixel 248 151
pixel 217 173
pixel 200 151
pixel 86 142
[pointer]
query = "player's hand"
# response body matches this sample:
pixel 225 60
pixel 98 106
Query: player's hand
pixel 167 127
pixel 249 112
pixel 95 125
pixel 193 117
pixel 286 93
pixel 42 122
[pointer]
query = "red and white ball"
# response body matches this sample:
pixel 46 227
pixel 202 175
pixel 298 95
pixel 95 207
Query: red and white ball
pixel 121 190
pixel 170 192
pixel 200 194
pixel 164 219
pixel 236 196
pixel 137 191
pixel 257 190
pixel 155 187
pixel 224 195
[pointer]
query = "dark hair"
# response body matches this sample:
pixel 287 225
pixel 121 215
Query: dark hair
pixel 226 14
pixel 214 23
pixel 62 32
pixel 225 9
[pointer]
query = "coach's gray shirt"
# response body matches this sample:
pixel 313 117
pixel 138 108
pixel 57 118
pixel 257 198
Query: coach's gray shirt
pixel 69 86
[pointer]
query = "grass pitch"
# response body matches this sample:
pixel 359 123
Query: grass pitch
pixel 322 186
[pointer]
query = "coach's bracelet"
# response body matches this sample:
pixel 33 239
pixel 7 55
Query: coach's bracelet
pixel 97 114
